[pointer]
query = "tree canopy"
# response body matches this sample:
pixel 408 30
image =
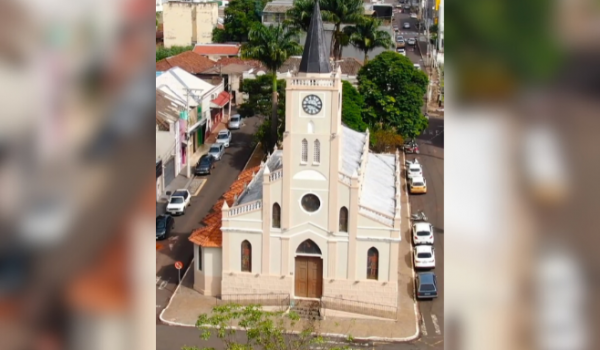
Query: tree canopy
pixel 240 16
pixel 393 90
pixel 366 36
pixel 352 106
pixel 162 53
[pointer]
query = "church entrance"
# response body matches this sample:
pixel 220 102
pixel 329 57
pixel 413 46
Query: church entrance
pixel 309 271
pixel 309 277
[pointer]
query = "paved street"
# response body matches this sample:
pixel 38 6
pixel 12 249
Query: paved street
pixel 177 247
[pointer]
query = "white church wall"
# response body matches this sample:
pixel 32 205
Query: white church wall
pixel 235 251
pixel 275 266
pixel 362 248
pixel 251 220
pixel 368 227
pixel 369 291
pixel 276 196
pixel 342 260
pixel 299 215
pixel 207 280
pixel 245 283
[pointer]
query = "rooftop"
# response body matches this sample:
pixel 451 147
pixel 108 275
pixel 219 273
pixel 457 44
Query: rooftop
pixel 352 148
pixel 218 49
pixel 189 61
pixel 379 187
pixel 175 81
pixel 315 57
pixel 278 6
pixel 254 190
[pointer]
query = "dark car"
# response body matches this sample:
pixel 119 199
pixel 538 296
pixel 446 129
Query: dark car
pixel 164 224
pixel 426 285
pixel 205 165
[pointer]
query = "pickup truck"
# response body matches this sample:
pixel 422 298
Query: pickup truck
pixel 178 201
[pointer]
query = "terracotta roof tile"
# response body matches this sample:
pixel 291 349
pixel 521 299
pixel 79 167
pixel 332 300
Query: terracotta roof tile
pixel 215 49
pixel 188 61
pixel 211 235
pixel 237 60
pixel 163 66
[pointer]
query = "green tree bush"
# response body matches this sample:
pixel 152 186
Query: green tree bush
pixel 352 106
pixel 162 52
pixel 240 16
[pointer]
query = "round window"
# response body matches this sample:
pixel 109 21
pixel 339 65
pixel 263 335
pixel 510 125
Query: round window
pixel 311 203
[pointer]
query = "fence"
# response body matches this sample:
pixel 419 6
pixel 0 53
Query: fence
pixel 358 307
pixel 281 300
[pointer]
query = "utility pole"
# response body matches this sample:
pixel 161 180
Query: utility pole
pixel 188 158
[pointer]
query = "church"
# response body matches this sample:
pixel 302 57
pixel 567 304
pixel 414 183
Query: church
pixel 320 217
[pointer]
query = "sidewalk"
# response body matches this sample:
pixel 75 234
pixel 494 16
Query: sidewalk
pixel 186 304
pixel 192 184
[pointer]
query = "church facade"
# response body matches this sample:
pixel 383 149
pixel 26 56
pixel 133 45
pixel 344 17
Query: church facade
pixel 320 217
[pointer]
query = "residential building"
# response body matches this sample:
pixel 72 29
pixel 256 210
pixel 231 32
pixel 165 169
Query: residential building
pixel 205 102
pixel 218 51
pixel 320 218
pixel 276 11
pixel 233 70
pixel 188 23
pixel 188 61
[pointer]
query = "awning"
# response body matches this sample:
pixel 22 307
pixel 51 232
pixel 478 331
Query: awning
pixel 221 100
pixel 195 126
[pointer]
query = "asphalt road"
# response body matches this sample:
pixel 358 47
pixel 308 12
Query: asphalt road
pixel 401 17
pixel 177 246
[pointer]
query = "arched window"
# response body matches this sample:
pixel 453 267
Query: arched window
pixel 308 247
pixel 373 264
pixel 246 256
pixel 317 154
pixel 304 151
pixel 276 216
pixel 343 219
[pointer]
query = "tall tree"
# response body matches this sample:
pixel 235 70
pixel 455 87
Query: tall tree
pixel 366 36
pixel 352 106
pixel 298 17
pixel 393 90
pixel 271 45
pixel 162 52
pixel 341 12
pixel 240 16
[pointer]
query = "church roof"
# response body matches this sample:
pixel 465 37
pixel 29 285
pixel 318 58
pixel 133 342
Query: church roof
pixel 353 143
pixel 211 236
pixel 254 190
pixel 379 183
pixel 315 58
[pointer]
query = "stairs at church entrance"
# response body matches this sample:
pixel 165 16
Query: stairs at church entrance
pixel 307 309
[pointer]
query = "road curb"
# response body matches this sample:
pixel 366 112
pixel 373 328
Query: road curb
pixel 160 317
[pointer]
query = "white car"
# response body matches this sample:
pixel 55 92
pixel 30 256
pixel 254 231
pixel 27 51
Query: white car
pixel 406 25
pixel 417 66
pixel 424 257
pixel 178 201
pixel 413 15
pixel 414 170
pixel 411 41
pixel 422 233
pixel 224 137
pixel 401 51
pixel 234 122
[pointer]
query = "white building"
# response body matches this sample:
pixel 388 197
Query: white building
pixel 320 219
pixel 189 22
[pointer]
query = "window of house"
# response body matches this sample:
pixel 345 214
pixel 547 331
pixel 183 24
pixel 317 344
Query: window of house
pixel 317 154
pixel 276 216
pixel 199 258
pixel 373 264
pixel 304 151
pixel 246 256
pixel 344 219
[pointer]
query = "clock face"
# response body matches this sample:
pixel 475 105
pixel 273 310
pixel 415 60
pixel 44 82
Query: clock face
pixel 312 104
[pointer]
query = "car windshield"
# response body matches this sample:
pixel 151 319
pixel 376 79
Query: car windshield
pixel 214 150
pixel 235 119
pixel 160 223
pixel 222 136
pixel 427 287
pixel 205 161
pixel 417 184
pixel 424 255
pixel 177 200
pixel 415 170
pixel 423 233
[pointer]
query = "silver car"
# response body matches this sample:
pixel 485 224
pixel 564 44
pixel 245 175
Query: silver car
pixel 224 137
pixel 235 121
pixel 217 150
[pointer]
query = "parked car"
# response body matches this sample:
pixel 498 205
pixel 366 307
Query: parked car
pixel 424 257
pixel 224 137
pixel 422 233
pixel 401 51
pixel 205 165
pixel 217 150
pixel 417 184
pixel 235 122
pixel 407 7
pixel 399 39
pixel 413 15
pixel 178 201
pixel 411 41
pixel 406 25
pixel 426 285
pixel 414 170
pixel 417 66
pixel 164 224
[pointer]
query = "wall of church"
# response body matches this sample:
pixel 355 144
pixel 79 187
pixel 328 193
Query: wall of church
pixel 251 220
pixel 235 251
pixel 318 239
pixel 275 266
pixel 369 291
pixel 342 260
pixel 207 280
pixel 362 247
pixel 246 283
pixel 368 227
pixel 276 196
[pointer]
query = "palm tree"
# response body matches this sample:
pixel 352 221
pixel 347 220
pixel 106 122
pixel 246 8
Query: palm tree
pixel 366 36
pixel 298 17
pixel 341 12
pixel 271 45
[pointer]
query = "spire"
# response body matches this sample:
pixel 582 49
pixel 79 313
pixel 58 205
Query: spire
pixel 315 58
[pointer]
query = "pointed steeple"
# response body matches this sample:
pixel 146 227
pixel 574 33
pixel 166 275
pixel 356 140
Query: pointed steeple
pixel 315 58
